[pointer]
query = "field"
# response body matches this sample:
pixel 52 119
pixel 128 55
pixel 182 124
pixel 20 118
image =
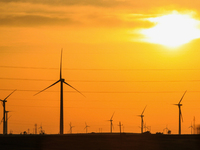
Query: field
pixel 100 141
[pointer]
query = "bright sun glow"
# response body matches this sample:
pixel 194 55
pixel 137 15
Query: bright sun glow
pixel 172 30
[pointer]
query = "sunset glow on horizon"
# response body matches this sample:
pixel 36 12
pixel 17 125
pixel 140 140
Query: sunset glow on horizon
pixel 122 55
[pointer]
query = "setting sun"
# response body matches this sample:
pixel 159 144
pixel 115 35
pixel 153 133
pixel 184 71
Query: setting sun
pixel 172 30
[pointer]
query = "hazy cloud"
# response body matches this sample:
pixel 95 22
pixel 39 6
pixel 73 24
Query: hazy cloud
pixel 34 20
pixel 26 14
pixel 96 13
pixel 104 3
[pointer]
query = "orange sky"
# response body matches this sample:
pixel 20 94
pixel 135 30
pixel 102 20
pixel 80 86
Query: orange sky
pixel 102 59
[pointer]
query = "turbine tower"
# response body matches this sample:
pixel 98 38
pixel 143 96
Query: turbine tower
pixel 4 112
pixel 111 124
pixel 86 126
pixel 142 121
pixel 180 114
pixel 61 80
pixel 6 127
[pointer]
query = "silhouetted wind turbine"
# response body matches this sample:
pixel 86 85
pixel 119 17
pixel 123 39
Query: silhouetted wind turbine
pixel 180 114
pixel 61 80
pixel 120 127
pixel 142 121
pixel 165 129
pixel 191 127
pixel 111 124
pixel 70 127
pixel 4 112
pixel 86 126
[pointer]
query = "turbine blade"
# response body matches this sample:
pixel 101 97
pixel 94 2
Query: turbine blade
pixel 1 120
pixel 61 65
pixel 10 94
pixel 144 110
pixel 112 116
pixel 47 87
pixel 9 117
pixel 73 88
pixel 182 97
pixel 181 116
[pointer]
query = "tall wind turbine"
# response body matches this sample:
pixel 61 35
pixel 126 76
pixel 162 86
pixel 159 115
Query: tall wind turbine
pixel 86 126
pixel 4 112
pixel 180 114
pixel 111 124
pixel 142 121
pixel 61 80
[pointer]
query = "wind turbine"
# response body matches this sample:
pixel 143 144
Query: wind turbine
pixel 120 127
pixel 4 112
pixel 191 127
pixel 61 80
pixel 70 127
pixel 142 121
pixel 165 129
pixel 111 124
pixel 180 114
pixel 86 126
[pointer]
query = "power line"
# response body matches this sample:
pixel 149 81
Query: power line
pixel 107 81
pixel 108 92
pixel 100 69
pixel 25 79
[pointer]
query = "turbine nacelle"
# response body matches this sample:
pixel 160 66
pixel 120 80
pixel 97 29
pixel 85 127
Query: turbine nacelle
pixel 141 116
pixel 62 80
pixel 3 100
pixel 178 105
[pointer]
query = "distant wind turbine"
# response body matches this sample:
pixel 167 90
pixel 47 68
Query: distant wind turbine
pixel 70 128
pixel 194 125
pixel 180 114
pixel 142 121
pixel 111 124
pixel 61 80
pixel 191 127
pixel 120 127
pixel 4 112
pixel 86 126
pixel 165 129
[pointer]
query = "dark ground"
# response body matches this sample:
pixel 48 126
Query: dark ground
pixel 100 141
